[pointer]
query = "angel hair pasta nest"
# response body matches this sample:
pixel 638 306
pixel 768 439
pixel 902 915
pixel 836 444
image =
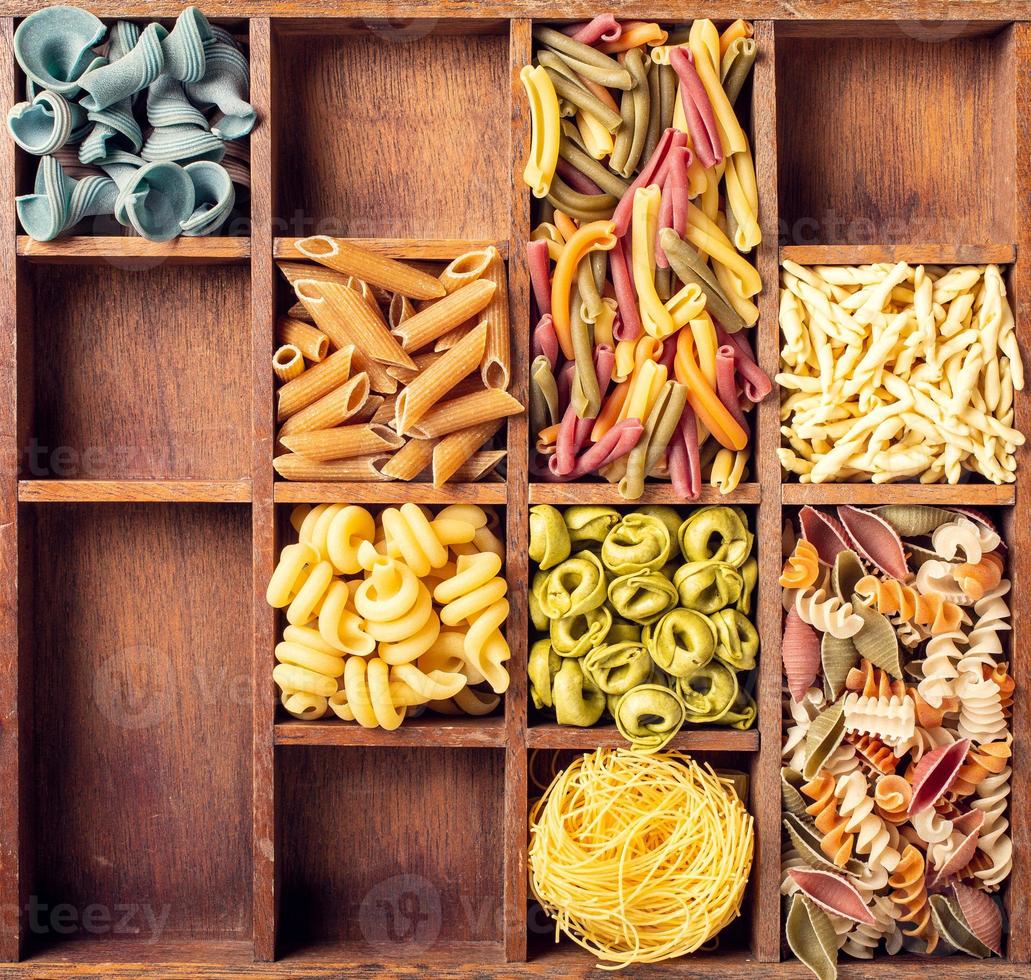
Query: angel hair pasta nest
pixel 639 858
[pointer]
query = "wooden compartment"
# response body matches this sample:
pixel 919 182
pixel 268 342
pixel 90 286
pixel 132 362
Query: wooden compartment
pixel 895 133
pixel 133 373
pixel 379 136
pixel 137 724
pixel 390 849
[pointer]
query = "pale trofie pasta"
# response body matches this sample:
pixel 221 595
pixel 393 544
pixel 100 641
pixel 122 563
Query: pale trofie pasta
pixel 390 613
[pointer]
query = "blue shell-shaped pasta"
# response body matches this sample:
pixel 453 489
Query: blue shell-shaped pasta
pixel 226 84
pixel 181 143
pixel 115 123
pixel 184 47
pixel 54 47
pixel 167 105
pixel 60 203
pixel 46 123
pixel 126 75
pixel 155 199
pixel 214 197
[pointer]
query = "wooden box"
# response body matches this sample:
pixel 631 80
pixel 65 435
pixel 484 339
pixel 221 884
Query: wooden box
pixel 157 815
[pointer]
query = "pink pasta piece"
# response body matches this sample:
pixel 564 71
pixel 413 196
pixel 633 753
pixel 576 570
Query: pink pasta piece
pixel 823 532
pixel 626 294
pixel 573 432
pixel 540 274
pixel 755 383
pixel 615 444
pixel 726 384
pixel 668 355
pixel 684 461
pixel 604 27
pixel 982 915
pixel 969 824
pixel 545 340
pixel 580 182
pixel 665 220
pixel 800 654
pixel 833 893
pixel 875 539
pixel 701 120
pixel 935 773
pixel 679 161
pixel 653 172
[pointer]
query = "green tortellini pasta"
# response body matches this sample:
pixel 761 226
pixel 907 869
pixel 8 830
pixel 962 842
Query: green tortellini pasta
pixel 574 636
pixel 617 668
pixel 749 576
pixel 649 716
pixel 716 534
pixel 542 667
pixel 642 596
pixel 709 693
pixel 624 632
pixel 537 588
pixel 638 543
pixel 682 642
pixel 576 586
pixel 578 701
pixel 737 639
pixel 672 519
pixel 587 523
pixel 549 538
pixel 706 586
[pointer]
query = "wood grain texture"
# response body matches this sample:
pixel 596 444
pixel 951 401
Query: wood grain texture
pixel 87 250
pixel 141 739
pixel 130 491
pixel 972 494
pixel 266 830
pixel 654 493
pixel 139 374
pixel 389 493
pixel 430 731
pixel 392 845
pixel 841 182
pixel 391 140
pixel 1000 254
pixel 517 552
pixel 765 888
pixel 433 249
pixel 554 736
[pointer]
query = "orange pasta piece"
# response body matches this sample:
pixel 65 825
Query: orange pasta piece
pixel 565 224
pixel 635 33
pixel 740 28
pixel 591 237
pixel 610 410
pixel 706 403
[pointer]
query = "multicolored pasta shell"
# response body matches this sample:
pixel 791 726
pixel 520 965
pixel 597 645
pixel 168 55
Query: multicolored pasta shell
pixel 875 539
pixel 800 653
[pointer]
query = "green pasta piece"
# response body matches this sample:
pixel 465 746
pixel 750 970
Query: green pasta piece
pixel 950 923
pixel 549 538
pixel 847 571
pixel 542 666
pixel 791 781
pixel 575 586
pixel 806 841
pixel 618 667
pixel 114 81
pixel 877 641
pixel 669 516
pixel 638 543
pixel 155 198
pixel 583 207
pixel 738 640
pixel 543 394
pixel 586 61
pixel 537 588
pixel 60 203
pixel 682 642
pixel 624 134
pixel 812 938
pixel 667 96
pixel 838 657
pixel 574 636
pixel 742 713
pixel 213 198
pixel 736 66
pixel 167 104
pixel 55 47
pixel 664 284
pixel 585 393
pixel 586 522
pixel 825 733
pixel 642 597
pixel 655 128
pixel 749 575
pixel 658 430
pixel 666 424
pixel 709 693
pixel 637 67
pixel 716 533
pixel 624 632
pixel 46 123
pixel 649 716
pixel 914 520
pixel 689 267
pixel 706 586
pixel 575 94
pixel 577 700
pixel 587 288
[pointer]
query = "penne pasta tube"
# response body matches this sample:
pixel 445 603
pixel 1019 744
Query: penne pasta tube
pixel 298 312
pixel 377 270
pixel 288 363
pixel 344 442
pixel 478 466
pixel 314 383
pixel 429 387
pixel 451 452
pixel 467 268
pixel 361 469
pixel 496 363
pixel 466 410
pixel 384 413
pixel 330 410
pixel 368 411
pixel 422 361
pixel 434 321
pixel 305 270
pixel 346 318
pixel 311 342
pixel 410 460
pixel 452 337
pixel 401 308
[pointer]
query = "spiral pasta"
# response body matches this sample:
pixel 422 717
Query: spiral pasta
pixel 802 567
pixel 377 647
pixel 828 614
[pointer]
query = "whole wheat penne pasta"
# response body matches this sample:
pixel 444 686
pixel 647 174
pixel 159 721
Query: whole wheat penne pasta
pixel 305 270
pixel 439 378
pixel 410 460
pixel 346 257
pixel 314 383
pixel 367 413
pixel 344 442
pixel 298 312
pixel 347 318
pixel 434 321
pixel 422 361
pixel 288 363
pixel 478 466
pixel 495 367
pixel 330 410
pixel 361 469
pixel 452 337
pixel 467 268
pixel 384 414
pixel 453 450
pixel 466 410
pixel 401 308
pixel 309 340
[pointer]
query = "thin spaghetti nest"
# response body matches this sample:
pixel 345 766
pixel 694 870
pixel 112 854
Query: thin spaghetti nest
pixel 639 858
